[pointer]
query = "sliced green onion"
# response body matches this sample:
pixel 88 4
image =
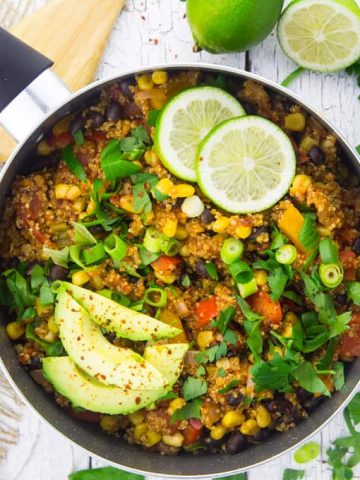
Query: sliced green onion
pixel 286 254
pixel 186 281
pixel 156 292
pixel 247 289
pixel 152 240
pixel 75 255
pixel 329 251
pixel 116 248
pixel 94 254
pixel 241 272
pixel 331 274
pixel 231 251
pixel 211 270
pixel 170 246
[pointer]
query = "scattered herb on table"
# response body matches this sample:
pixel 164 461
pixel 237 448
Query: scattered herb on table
pixel 106 473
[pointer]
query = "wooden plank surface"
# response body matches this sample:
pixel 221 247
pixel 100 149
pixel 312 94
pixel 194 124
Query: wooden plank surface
pixel 150 32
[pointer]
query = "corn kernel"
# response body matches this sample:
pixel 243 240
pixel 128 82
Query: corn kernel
pixel 291 318
pixel 175 405
pixel 136 418
pixel 295 122
pixel 181 232
pixel 182 190
pixel 52 326
pixel 287 331
pixel 151 158
pixel 150 438
pixel 323 232
pixel 79 205
pixel 41 310
pixel 160 77
pixel 58 227
pixel 232 419
pixel 249 427
pixel 43 148
pixel 263 417
pixel 243 231
pixel 217 432
pixel 221 224
pixel 158 102
pixel 261 277
pixel 110 423
pixel 15 330
pixel 307 143
pixel 164 186
pixel 184 251
pixel 126 202
pixel 90 209
pixel 166 278
pixel 140 430
pixel 80 278
pixel 145 82
pixel 204 339
pixel 61 126
pixel 300 185
pixel 67 192
pixel 169 229
pixel 175 440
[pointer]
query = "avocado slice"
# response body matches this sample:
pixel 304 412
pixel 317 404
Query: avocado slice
pixel 167 359
pixel 93 353
pixel 116 318
pixel 88 393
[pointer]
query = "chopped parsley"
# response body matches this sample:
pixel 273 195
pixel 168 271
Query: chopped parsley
pixel 230 386
pixel 193 388
pixel 309 236
pixel 73 163
pixel 190 410
pixel 252 324
pixel 292 474
pixel 212 354
pixel 224 318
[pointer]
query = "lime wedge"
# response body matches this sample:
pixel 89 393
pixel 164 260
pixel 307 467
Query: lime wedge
pixel 245 164
pixel 321 35
pixel 185 121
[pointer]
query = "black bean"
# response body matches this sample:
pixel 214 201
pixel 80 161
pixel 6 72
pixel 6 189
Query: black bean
pixel 313 403
pixel 261 435
pixel 113 112
pixel 200 269
pixel 95 229
pixel 303 395
pixel 234 399
pixel 317 155
pixel 124 87
pixel 356 245
pixel 132 279
pixel 6 263
pixel 34 363
pixel 57 272
pixel 249 107
pixel 76 124
pixel 31 265
pixel 341 299
pixel 214 445
pixel 95 119
pixel 278 404
pixel 207 217
pixel 296 414
pixel 235 443
pixel 130 110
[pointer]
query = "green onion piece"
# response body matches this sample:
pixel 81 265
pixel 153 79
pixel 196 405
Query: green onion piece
pixel 231 251
pixel 329 251
pixel 116 248
pixel 75 255
pixel 152 240
pixel 286 255
pixel 94 254
pixel 73 163
pixel 247 289
pixel 241 272
pixel 211 270
pixel 186 281
pixel 156 292
pixel 331 274
pixel 170 246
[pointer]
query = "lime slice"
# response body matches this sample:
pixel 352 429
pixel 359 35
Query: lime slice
pixel 185 121
pixel 246 164
pixel 322 35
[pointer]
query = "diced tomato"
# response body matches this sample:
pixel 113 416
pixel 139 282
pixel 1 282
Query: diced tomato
pixel 85 416
pixel 60 141
pixel 166 264
pixel 35 206
pixel 348 259
pixel 350 340
pixel 262 303
pixel 192 432
pixel 96 136
pixel 205 310
pixel 348 235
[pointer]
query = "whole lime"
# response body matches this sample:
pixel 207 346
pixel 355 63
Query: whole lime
pixel 232 25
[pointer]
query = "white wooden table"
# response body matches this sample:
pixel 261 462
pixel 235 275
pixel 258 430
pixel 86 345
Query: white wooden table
pixel 156 31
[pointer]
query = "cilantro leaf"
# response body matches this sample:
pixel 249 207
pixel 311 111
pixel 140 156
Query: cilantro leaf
pixel 277 282
pixel 46 296
pixel 230 337
pixel 73 163
pixel 152 117
pixel 306 376
pixel 339 377
pixel 19 289
pixel 278 239
pixel 221 372
pixel 113 164
pixel 353 291
pixel 271 375
pixel 190 410
pixel 252 324
pixel 237 476
pixel 105 473
pixel 212 354
pixel 292 474
pixel 224 318
pixel 329 251
pixel 340 325
pixel 309 236
pixel 193 388
pixel 36 277
pixel 230 386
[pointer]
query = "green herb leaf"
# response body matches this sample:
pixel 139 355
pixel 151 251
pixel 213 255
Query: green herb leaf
pixel 353 291
pixel 230 337
pixel 329 251
pixel 200 370
pixel 46 296
pixel 212 354
pixel 73 163
pixel 190 410
pixel 224 318
pixel 277 282
pixel 252 324
pixel 289 79
pixel 271 375
pixel 230 386
pixel 237 476
pixel 278 239
pixel 354 409
pixel 339 377
pixel 19 289
pixel 105 473
pixel 292 474
pixel 340 325
pixel 309 236
pixel 59 257
pixel 220 373
pixel 306 376
pixel 79 137
pixel 37 277
pixel 294 297
pixel 113 164
pixel 211 270
pixel 357 148
pixel 193 388
pixel 152 117
pixel 54 349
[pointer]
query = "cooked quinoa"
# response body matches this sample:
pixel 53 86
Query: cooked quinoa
pixel 234 410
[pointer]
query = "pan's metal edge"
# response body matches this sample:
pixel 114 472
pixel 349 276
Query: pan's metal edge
pixel 219 69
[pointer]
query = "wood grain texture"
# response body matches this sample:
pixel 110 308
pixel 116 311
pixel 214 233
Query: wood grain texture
pixel 150 32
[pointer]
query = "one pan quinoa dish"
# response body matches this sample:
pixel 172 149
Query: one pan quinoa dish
pixel 184 268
